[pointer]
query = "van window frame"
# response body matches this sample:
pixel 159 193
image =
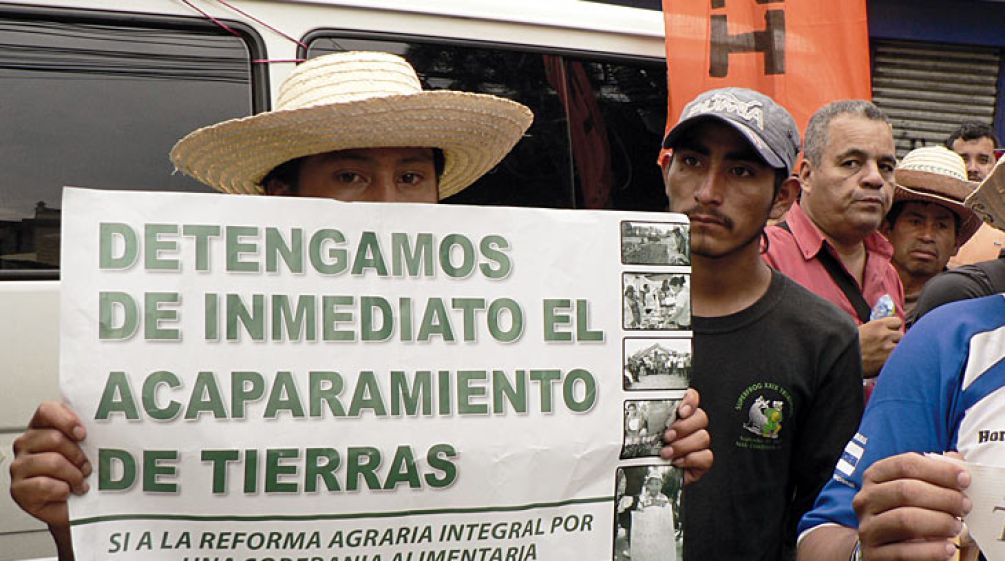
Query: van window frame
pixel 564 52
pixel 598 56
pixel 260 90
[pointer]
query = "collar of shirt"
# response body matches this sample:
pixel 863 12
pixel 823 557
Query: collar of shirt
pixel 810 239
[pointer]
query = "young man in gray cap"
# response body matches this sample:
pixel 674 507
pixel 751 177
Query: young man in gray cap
pixel 778 367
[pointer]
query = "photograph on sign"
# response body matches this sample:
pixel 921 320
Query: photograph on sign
pixel 656 301
pixel 647 514
pixel 655 243
pixel 645 422
pixel 656 364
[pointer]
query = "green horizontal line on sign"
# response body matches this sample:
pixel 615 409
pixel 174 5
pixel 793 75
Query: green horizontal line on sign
pixel 307 517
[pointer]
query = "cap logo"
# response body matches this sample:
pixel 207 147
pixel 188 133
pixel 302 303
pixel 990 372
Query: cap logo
pixel 750 111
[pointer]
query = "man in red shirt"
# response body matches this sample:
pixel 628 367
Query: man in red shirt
pixel 829 242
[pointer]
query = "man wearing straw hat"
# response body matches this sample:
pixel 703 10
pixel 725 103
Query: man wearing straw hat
pixel 928 223
pixel 351 126
pixel 941 391
pixel 357 127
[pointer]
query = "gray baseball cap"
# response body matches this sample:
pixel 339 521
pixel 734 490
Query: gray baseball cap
pixel 768 127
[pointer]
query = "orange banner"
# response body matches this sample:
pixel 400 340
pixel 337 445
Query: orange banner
pixel 802 53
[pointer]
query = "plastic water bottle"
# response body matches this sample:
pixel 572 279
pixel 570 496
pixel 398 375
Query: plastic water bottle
pixel 884 308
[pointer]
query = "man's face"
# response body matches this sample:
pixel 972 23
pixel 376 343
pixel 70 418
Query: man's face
pixel 717 179
pixel 372 175
pixel 850 191
pixel 979 155
pixel 923 238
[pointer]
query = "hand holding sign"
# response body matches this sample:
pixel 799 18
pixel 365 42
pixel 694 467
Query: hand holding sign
pixel 910 508
pixel 687 440
pixel 49 464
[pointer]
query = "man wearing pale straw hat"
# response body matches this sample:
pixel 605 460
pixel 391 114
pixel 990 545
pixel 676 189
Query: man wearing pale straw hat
pixel 349 126
pixel 928 223
pixel 357 127
pixel 975 143
pixel 943 390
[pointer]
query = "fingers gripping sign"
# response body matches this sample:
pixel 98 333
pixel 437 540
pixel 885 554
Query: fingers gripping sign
pixel 910 508
pixel 48 463
pixel 687 440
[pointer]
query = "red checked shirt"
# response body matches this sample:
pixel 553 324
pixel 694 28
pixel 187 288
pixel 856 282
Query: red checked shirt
pixel 795 254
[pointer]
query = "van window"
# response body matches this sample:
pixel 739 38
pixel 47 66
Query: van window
pixel 598 121
pixel 99 104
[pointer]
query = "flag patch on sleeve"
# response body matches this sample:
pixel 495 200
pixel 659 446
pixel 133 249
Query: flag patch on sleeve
pixel 852 454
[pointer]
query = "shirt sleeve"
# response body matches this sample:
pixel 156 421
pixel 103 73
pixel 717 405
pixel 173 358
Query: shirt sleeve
pixel 908 412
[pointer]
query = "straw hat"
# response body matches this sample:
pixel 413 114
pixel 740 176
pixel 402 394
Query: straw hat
pixel 355 100
pixel 936 174
pixel 988 201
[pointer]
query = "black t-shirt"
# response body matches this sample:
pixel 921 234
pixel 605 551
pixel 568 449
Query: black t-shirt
pixel 781 383
pixel 962 283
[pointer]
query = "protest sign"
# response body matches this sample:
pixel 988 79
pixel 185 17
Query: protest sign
pixel 267 378
pixel 986 519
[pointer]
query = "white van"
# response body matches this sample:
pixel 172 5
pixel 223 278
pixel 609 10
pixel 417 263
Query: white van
pixel 94 93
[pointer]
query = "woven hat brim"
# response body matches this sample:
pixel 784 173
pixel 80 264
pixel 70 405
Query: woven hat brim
pixel 938 184
pixel 988 200
pixel 969 220
pixel 475 132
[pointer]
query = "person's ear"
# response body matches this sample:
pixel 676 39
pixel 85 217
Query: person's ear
pixel 787 195
pixel 805 175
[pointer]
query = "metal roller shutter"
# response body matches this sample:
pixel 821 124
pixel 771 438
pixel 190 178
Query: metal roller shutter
pixel 928 89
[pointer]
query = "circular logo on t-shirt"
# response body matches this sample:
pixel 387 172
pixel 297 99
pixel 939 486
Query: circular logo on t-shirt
pixel 764 407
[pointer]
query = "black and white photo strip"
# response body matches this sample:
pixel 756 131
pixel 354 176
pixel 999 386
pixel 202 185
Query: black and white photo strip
pixel 655 243
pixel 656 301
pixel 645 422
pixel 656 363
pixel 647 513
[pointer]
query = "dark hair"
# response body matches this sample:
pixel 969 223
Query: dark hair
pixel 972 130
pixel 898 208
pixel 816 130
pixel 288 173
pixel 780 176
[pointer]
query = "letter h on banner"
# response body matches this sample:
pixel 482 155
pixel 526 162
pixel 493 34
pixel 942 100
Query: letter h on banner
pixel 770 41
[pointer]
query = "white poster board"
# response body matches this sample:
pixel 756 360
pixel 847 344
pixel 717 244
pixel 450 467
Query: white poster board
pixel 986 519
pixel 279 378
